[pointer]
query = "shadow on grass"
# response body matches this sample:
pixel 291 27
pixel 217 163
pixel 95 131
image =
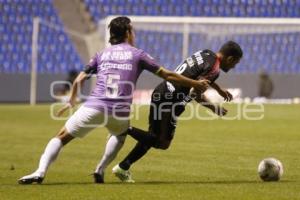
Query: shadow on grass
pixel 221 182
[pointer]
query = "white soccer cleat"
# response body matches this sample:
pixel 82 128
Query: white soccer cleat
pixel 31 178
pixel 123 175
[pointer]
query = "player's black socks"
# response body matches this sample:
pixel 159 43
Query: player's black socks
pixel 145 142
pixel 137 152
pixel 142 136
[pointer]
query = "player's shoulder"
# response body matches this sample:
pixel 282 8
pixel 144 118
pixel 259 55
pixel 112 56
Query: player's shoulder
pixel 139 51
pixel 208 53
pixel 209 56
pixel 204 55
pixel 143 54
pixel 136 51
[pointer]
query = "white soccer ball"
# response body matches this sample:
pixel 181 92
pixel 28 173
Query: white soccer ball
pixel 270 169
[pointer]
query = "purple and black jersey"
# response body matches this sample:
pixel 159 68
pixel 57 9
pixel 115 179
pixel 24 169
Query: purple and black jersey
pixel 118 68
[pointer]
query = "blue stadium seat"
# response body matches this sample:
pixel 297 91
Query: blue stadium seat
pixel 16 32
pixel 58 55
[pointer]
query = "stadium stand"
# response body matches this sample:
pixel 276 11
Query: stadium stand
pixel 225 8
pixel 58 55
pixel 262 50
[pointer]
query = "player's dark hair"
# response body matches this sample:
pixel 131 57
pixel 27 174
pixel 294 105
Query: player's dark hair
pixel 118 28
pixel 231 48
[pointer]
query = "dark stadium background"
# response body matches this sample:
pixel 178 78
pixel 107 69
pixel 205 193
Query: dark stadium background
pixel 60 51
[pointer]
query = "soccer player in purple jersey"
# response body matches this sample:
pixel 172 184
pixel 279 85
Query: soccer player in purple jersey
pixel 117 68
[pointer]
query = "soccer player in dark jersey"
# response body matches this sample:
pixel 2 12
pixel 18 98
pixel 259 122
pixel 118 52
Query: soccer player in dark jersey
pixel 168 102
pixel 118 68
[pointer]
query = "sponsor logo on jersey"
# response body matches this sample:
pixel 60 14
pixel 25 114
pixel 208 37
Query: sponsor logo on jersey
pixel 198 57
pixel 117 55
pixel 126 66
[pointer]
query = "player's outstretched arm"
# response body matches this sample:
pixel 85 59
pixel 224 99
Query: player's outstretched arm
pixel 74 90
pixel 200 85
pixel 224 93
pixel 201 98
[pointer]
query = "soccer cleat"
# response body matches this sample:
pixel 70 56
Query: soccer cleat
pixel 123 175
pixel 29 179
pixel 98 178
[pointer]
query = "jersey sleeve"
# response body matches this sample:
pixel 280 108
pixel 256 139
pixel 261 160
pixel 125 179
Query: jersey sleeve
pixel 211 77
pixel 91 67
pixel 148 63
pixel 214 78
pixel 210 67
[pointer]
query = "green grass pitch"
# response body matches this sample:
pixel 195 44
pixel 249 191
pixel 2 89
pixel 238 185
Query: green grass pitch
pixel 207 160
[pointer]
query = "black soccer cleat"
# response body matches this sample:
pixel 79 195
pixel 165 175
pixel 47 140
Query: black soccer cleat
pixel 98 178
pixel 30 179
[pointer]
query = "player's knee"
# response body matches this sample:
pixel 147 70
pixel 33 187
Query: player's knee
pixel 151 140
pixel 64 136
pixel 121 139
pixel 163 145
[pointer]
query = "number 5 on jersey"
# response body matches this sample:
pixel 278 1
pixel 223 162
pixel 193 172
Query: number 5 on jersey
pixel 112 87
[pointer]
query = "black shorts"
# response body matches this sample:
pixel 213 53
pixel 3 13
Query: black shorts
pixel 162 121
pixel 161 124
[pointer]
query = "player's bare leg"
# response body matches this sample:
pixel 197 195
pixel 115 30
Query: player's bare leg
pixel 50 154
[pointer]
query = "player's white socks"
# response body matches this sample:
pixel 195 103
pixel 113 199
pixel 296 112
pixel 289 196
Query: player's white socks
pixel 113 146
pixel 51 151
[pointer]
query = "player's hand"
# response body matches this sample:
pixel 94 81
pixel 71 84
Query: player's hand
pixel 226 95
pixel 61 111
pixel 220 111
pixel 201 85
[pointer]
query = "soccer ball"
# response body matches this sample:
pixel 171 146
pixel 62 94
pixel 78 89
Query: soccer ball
pixel 270 169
